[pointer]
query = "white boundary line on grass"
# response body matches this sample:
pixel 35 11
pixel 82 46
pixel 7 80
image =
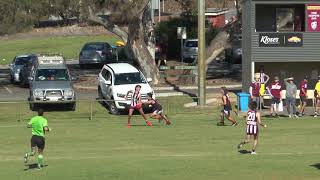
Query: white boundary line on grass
pixel 9 91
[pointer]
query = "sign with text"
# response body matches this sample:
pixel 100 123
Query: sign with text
pixel 313 17
pixel 182 33
pixel 280 40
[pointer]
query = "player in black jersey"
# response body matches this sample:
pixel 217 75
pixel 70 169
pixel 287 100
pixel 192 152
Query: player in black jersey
pixel 157 111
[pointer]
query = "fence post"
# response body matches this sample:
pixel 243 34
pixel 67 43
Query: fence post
pixel 91 114
pixel 19 112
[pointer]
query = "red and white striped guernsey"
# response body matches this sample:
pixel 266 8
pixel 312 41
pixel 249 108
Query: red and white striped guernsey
pixel 135 99
pixel 252 125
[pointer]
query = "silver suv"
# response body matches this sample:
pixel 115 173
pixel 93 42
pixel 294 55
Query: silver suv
pixel 51 83
pixel 190 50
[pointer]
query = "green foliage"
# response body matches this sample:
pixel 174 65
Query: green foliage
pixel 167 31
pixel 65 8
pixel 14 16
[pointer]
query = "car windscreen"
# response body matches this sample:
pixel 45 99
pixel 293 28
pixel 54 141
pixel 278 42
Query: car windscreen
pixel 52 75
pixel 22 60
pixel 93 47
pixel 129 78
pixel 192 44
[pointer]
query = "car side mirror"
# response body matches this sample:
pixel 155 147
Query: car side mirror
pixel 30 78
pixel 108 82
pixel 149 80
pixel 74 78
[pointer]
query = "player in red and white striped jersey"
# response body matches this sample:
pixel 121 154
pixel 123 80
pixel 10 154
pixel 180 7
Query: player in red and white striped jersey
pixel 136 104
pixel 253 120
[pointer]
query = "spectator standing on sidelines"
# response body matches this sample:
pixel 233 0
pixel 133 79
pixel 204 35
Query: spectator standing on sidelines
pixel 291 92
pixel 263 78
pixel 254 89
pixel 275 91
pixel 303 95
pixel 317 98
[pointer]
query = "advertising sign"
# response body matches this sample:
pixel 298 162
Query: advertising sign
pixel 280 40
pixel 313 17
pixel 271 40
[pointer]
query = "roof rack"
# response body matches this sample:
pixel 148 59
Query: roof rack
pixel 50 59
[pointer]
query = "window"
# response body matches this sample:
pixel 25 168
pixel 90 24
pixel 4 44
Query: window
pixel 103 73
pixel 280 18
pixel 52 75
pixel 108 76
pixel 192 44
pixel 129 78
pixel 22 60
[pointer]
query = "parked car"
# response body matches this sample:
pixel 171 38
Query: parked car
pixel 98 53
pixel 115 80
pixel 25 72
pixel 190 50
pixel 17 64
pixel 234 53
pixel 51 83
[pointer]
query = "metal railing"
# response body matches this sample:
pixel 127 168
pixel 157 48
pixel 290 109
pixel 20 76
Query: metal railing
pixel 95 109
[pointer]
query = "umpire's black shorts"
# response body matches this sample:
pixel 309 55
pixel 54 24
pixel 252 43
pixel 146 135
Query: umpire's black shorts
pixel 38 141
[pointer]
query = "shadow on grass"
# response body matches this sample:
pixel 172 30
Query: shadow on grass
pixel 317 165
pixel 244 152
pixel 32 166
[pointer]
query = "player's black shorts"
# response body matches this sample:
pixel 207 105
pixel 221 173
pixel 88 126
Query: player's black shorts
pixel 303 99
pixel 38 141
pixel 226 110
pixel 275 100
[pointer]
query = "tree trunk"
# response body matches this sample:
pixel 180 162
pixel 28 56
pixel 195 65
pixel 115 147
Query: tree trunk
pixel 137 45
pixel 216 47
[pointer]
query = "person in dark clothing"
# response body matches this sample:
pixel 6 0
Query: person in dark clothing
pixel 227 108
pixel 157 111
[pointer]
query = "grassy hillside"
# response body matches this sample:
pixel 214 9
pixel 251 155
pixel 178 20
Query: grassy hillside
pixel 69 46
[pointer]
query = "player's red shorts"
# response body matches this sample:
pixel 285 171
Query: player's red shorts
pixel 137 107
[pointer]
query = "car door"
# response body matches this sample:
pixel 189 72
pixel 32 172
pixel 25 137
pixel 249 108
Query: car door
pixel 108 78
pixel 102 81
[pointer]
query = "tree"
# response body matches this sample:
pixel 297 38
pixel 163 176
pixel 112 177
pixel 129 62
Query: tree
pixel 135 15
pixel 66 9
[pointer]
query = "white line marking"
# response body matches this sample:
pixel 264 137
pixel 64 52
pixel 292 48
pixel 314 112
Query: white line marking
pixel 10 92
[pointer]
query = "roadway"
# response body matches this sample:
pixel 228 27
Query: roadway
pixel 11 92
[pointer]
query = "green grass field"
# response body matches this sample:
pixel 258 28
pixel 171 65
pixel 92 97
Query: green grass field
pixel 192 148
pixel 69 46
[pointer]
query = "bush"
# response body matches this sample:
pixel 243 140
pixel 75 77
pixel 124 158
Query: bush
pixel 167 31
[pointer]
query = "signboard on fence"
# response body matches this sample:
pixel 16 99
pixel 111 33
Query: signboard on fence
pixel 280 40
pixel 182 33
pixel 313 17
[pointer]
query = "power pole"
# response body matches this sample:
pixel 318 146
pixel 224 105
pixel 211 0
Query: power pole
pixel 201 54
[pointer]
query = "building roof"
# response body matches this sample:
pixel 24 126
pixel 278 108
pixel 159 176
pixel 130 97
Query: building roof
pixel 216 11
pixel 119 68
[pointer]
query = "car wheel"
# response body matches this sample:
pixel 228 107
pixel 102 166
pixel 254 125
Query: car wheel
pixel 11 80
pixel 72 106
pixel 113 108
pixel 82 66
pixel 33 106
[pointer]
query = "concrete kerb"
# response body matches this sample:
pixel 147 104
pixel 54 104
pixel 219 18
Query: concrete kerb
pixel 169 88
pixel 215 98
pixel 167 94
